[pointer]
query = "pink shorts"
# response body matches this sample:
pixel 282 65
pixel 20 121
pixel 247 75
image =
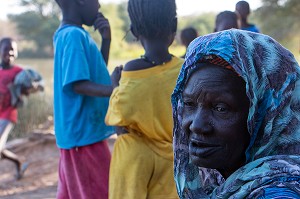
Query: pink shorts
pixel 84 172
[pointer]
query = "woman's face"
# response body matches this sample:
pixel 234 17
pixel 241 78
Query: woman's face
pixel 215 117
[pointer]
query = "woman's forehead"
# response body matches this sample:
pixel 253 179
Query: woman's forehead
pixel 211 72
pixel 214 78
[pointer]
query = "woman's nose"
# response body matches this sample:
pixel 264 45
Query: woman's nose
pixel 201 122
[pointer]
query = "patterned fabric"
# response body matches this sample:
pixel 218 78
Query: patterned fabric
pixel 29 79
pixel 272 79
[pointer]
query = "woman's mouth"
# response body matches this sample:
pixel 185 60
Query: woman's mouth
pixel 202 149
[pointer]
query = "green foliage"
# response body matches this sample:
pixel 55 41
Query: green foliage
pixel 203 23
pixel 37 28
pixel 38 25
pixel 280 20
pixel 277 18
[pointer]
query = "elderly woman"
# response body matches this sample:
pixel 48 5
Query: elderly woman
pixel 236 113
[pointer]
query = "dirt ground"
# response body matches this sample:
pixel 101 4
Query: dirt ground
pixel 40 179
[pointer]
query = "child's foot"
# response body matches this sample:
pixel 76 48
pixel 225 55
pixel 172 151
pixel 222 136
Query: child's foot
pixel 21 172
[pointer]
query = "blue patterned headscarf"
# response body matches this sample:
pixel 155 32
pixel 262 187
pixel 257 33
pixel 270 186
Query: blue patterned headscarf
pixel 272 79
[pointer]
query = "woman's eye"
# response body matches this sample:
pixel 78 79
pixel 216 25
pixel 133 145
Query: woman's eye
pixel 220 108
pixel 188 103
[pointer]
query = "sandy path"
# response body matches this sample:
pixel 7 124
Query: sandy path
pixel 40 179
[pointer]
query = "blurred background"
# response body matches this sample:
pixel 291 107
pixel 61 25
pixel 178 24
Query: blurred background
pixel 32 24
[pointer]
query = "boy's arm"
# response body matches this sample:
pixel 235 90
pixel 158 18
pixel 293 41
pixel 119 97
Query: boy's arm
pixel 92 89
pixel 102 25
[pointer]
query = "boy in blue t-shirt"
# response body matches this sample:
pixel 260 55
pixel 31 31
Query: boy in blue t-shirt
pixel 82 86
pixel 242 8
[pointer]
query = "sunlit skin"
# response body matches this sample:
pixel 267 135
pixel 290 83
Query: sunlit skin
pixel 80 12
pixel 215 118
pixel 8 54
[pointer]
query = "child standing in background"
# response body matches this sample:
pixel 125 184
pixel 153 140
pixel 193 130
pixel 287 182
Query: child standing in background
pixel 243 10
pixel 82 86
pixel 8 112
pixel 142 166
pixel 187 35
pixel 226 20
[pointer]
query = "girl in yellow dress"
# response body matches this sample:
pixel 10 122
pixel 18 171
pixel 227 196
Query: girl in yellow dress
pixel 141 165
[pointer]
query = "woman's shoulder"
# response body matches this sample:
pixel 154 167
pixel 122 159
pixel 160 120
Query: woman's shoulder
pixel 136 64
pixel 140 64
pixel 279 192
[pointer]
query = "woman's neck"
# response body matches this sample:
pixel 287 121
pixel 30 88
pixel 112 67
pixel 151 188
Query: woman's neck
pixel 156 50
pixel 226 172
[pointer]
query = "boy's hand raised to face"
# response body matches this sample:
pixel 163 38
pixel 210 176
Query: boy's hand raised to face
pixel 102 25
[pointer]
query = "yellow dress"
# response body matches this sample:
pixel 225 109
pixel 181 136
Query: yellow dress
pixel 142 160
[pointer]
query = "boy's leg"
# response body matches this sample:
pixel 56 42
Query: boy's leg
pixel 83 172
pixel 5 128
pixel 12 157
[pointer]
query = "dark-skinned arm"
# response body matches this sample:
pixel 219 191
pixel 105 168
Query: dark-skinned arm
pixel 92 89
pixel 102 25
pixel 105 48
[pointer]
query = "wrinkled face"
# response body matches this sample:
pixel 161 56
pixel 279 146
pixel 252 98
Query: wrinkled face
pixel 90 11
pixel 8 52
pixel 215 117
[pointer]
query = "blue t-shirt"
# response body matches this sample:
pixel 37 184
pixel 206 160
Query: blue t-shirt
pixel 252 28
pixel 78 119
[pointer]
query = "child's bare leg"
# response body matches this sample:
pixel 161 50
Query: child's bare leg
pixel 14 158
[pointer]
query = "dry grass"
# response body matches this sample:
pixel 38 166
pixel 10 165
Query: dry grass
pixel 38 108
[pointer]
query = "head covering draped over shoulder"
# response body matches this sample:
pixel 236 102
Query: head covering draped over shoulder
pixel 272 79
